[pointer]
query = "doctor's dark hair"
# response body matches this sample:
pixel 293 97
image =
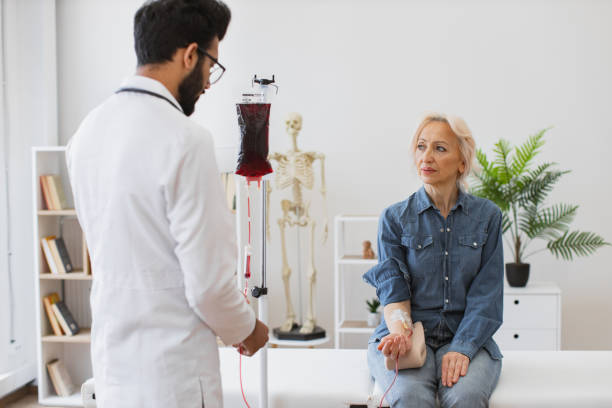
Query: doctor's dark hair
pixel 163 26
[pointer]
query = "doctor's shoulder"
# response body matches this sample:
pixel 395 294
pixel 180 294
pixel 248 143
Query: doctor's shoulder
pixel 89 124
pixel 191 135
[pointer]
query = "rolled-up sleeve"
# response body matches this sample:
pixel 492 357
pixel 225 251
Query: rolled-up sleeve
pixel 390 276
pixel 484 303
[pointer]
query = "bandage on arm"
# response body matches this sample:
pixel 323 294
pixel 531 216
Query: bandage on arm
pixel 397 317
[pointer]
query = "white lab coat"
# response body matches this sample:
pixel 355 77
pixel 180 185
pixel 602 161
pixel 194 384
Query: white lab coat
pixel 149 198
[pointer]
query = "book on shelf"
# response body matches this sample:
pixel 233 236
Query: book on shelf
pixel 48 302
pixel 54 196
pixel 62 253
pixel 57 189
pixel 44 241
pixel 61 380
pixel 89 270
pixel 65 318
pixel 46 193
pixel 56 255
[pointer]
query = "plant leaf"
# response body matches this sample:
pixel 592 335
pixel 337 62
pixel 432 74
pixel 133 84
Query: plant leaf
pixel 525 153
pixel 487 184
pixel 502 151
pixel 575 243
pixel 538 185
pixel 506 223
pixel 547 223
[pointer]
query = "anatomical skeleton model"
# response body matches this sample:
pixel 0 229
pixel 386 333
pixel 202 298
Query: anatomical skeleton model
pixel 295 171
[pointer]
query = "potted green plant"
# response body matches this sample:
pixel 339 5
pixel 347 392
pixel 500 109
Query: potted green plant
pixel 373 315
pixel 520 191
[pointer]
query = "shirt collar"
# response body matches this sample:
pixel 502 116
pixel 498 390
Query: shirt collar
pixel 424 202
pixel 151 85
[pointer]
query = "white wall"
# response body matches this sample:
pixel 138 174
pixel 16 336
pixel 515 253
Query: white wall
pixel 31 119
pixel 362 72
pixel 4 281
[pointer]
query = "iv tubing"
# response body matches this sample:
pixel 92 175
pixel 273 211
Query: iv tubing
pixel 389 389
pixel 241 388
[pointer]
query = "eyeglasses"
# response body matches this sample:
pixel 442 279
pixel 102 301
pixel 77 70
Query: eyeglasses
pixel 216 71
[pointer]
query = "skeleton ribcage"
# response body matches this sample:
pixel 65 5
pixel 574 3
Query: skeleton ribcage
pixel 299 169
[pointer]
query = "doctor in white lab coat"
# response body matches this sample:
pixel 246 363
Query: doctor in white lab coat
pixel 148 196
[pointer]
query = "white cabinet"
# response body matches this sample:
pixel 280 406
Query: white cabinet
pixel 348 266
pixel 532 318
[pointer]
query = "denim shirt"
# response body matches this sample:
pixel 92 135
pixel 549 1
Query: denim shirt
pixel 450 269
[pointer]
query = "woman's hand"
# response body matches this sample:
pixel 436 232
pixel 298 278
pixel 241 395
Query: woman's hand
pixel 396 344
pixel 454 365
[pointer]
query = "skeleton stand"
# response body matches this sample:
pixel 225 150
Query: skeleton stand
pixel 295 171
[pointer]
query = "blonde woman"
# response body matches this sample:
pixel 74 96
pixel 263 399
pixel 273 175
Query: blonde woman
pixel 441 263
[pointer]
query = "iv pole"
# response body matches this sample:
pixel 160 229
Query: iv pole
pixel 261 292
pixel 263 303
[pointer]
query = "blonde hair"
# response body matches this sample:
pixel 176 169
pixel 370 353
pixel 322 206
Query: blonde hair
pixel 467 146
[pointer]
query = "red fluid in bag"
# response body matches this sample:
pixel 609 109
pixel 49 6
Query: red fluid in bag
pixel 254 123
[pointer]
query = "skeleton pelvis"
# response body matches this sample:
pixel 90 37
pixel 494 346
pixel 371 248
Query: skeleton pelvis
pixel 294 214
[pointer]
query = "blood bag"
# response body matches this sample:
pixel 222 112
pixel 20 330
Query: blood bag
pixel 254 123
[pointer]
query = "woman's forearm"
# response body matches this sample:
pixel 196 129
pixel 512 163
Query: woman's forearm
pixel 396 326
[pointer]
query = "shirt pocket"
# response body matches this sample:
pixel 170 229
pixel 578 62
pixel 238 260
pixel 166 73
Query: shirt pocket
pixel 419 254
pixel 470 251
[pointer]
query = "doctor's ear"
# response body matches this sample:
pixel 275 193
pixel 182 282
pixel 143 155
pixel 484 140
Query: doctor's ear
pixel 191 56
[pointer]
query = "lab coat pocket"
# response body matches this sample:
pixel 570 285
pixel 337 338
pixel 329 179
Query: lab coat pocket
pixel 210 394
pixel 202 392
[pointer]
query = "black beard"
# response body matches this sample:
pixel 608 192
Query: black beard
pixel 191 88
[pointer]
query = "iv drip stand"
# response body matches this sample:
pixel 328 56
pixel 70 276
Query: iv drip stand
pixel 261 294
pixel 263 303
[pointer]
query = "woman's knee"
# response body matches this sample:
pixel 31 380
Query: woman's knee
pixel 459 397
pixel 413 394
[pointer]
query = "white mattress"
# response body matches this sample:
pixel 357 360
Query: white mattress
pixel 301 378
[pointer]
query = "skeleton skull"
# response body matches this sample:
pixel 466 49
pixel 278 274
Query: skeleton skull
pixel 293 123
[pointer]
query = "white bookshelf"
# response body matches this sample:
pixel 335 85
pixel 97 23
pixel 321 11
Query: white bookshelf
pixel 73 288
pixel 349 266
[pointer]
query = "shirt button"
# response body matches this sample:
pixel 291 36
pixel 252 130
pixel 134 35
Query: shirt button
pixel 475 244
pixel 446 278
pixel 418 246
pixel 441 229
pixel 446 253
pixel 448 230
pixel 446 300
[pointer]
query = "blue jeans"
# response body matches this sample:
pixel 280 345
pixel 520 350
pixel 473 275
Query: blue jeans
pixel 418 387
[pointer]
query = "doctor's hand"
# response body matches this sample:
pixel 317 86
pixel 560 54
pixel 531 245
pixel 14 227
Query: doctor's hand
pixel 396 344
pixel 454 365
pixel 256 340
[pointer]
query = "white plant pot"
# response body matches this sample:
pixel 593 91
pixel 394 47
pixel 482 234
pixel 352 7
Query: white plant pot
pixel 373 319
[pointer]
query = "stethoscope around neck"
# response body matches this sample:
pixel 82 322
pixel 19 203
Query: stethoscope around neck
pixel 151 93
